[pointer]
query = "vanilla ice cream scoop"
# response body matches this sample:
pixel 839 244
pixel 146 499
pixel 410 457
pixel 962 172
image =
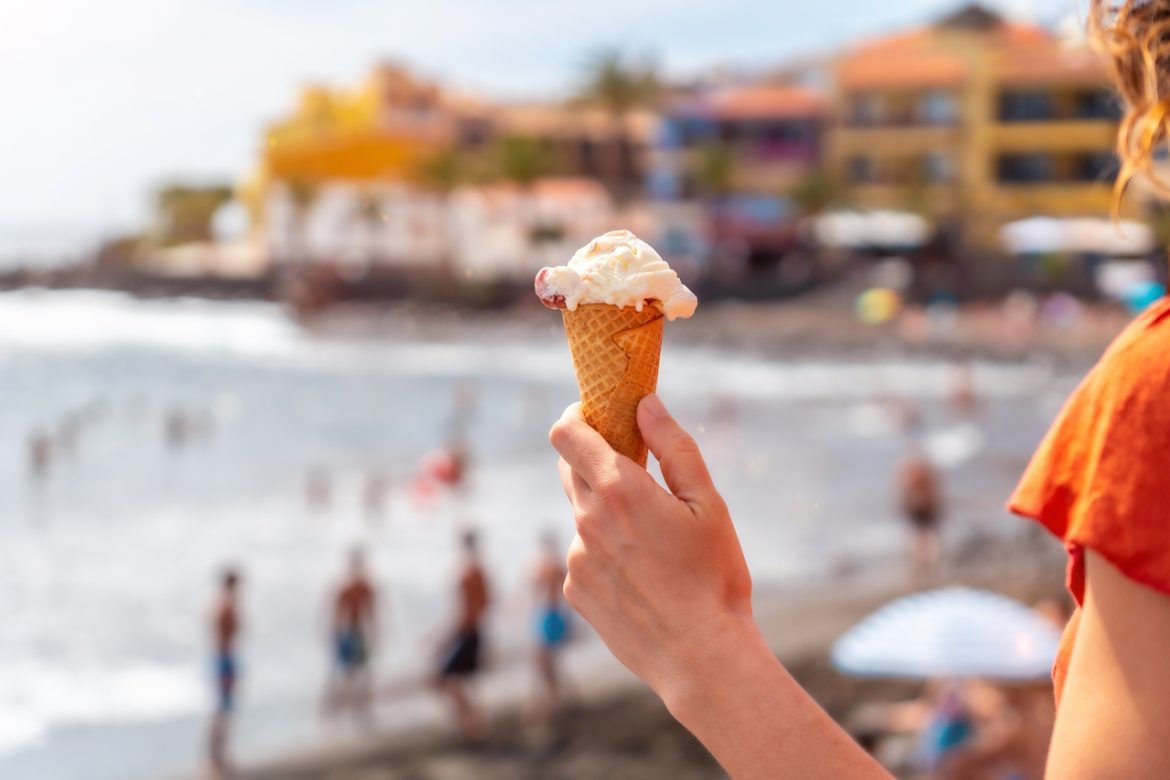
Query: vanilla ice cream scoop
pixel 619 269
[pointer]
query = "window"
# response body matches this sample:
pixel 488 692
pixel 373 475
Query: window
pixel 1097 104
pixel 781 131
pixel 1096 167
pixel 866 108
pixel 937 108
pixel 938 167
pixel 862 169
pixel 1025 106
pixel 1024 168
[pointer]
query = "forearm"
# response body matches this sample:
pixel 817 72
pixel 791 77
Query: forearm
pixel 741 703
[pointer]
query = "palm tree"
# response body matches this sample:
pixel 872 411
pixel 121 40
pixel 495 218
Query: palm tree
pixel 619 85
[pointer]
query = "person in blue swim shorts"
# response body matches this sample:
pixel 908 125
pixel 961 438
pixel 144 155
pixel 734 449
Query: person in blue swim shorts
pixel 551 624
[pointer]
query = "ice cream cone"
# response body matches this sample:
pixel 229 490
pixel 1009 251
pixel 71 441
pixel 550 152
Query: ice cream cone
pixel 615 351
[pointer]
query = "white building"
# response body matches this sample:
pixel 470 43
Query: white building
pixel 489 232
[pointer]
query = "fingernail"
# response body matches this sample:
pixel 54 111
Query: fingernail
pixel 653 405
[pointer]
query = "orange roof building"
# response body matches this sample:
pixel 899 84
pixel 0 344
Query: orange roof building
pixel 974 119
pixel 758 139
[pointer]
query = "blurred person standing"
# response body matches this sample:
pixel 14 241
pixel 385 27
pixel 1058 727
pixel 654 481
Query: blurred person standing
pixel 40 454
pixel 920 501
pixel 551 624
pixel 225 630
pixel 461 654
pixel 177 428
pixel 353 630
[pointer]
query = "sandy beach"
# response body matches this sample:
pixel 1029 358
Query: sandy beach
pixel 619 729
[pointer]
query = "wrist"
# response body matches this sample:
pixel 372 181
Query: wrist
pixel 711 663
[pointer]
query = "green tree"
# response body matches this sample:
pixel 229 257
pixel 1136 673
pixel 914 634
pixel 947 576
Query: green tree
pixel 523 160
pixel 816 192
pixel 442 171
pixel 183 212
pixel 714 169
pixel 618 84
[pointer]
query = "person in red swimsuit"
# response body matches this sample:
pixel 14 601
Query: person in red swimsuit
pixel 660 574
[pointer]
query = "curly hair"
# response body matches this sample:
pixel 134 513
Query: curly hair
pixel 1135 36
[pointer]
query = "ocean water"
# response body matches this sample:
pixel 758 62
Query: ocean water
pixel 107 564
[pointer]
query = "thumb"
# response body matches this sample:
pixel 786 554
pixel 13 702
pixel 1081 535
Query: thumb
pixel 682 464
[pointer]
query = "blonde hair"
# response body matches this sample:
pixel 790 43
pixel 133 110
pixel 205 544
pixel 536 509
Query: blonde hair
pixel 1135 35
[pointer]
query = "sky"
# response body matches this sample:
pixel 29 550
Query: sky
pixel 104 100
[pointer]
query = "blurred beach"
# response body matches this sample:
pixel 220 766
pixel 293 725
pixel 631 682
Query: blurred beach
pixel 269 353
pixel 105 562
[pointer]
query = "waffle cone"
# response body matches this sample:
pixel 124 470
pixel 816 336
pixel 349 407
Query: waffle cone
pixel 615 353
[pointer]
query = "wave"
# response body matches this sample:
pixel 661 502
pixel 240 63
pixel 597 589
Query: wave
pixel 36 697
pixel 89 321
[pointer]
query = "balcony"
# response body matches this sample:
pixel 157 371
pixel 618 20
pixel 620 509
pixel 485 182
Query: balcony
pixel 1069 135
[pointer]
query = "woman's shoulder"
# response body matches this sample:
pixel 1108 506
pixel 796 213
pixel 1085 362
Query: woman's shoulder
pixel 1107 450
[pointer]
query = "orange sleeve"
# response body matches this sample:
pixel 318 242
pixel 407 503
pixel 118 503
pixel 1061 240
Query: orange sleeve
pixel 1101 477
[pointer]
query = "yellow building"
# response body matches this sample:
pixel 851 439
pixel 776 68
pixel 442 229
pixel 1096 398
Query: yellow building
pixel 977 121
pixel 377 133
pixel 389 128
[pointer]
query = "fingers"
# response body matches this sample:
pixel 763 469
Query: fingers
pixel 582 448
pixel 575 488
pixel 682 464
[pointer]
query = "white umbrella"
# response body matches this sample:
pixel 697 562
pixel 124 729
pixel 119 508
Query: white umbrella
pixel 898 228
pixel 1104 236
pixel 1040 235
pixel 953 632
pixel 1034 235
pixel 855 229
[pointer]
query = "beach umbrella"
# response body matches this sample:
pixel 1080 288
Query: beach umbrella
pixel 897 229
pixel 1107 237
pixel 856 230
pixel 952 632
pixel 1036 235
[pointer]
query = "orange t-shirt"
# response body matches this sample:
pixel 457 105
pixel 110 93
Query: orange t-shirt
pixel 1101 477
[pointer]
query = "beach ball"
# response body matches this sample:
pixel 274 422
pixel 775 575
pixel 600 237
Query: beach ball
pixel 1142 294
pixel 877 305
